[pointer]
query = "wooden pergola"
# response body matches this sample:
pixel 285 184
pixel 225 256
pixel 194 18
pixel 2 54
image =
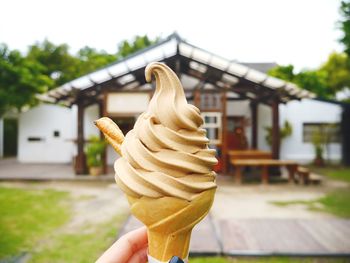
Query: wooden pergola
pixel 208 74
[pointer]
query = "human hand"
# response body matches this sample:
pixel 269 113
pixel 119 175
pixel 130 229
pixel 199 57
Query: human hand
pixel 130 248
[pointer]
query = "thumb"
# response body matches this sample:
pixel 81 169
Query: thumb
pixel 140 256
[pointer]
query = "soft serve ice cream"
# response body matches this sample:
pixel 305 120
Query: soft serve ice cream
pixel 166 167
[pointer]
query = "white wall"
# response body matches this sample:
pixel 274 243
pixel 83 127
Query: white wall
pixel 91 114
pixel 41 122
pixel 299 112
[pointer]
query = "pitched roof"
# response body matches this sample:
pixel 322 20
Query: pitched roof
pixel 183 58
pixel 263 67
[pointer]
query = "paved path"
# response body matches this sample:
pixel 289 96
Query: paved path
pixel 267 236
pixel 11 169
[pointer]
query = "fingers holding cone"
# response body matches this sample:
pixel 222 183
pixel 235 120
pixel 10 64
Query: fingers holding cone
pixel 111 131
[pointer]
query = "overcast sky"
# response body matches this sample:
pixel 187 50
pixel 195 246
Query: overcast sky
pixel 300 32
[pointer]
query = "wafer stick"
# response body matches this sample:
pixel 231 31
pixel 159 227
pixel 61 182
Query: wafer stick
pixel 112 133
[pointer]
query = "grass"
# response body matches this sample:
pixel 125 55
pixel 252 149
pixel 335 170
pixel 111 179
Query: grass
pixel 336 203
pixel 334 172
pixel 81 247
pixel 32 221
pixel 26 216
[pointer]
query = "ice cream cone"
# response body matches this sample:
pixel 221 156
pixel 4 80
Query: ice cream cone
pixel 170 221
pixel 166 166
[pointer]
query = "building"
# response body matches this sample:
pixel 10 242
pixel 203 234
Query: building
pixel 233 98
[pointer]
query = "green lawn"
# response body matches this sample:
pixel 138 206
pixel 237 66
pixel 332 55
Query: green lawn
pixel 80 247
pixel 26 216
pixel 333 172
pixel 31 221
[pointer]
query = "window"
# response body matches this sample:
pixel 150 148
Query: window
pixel 56 134
pixel 212 124
pixel 210 101
pixel 35 139
pixel 330 132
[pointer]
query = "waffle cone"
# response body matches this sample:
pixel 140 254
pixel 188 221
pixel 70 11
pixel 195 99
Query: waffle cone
pixel 170 221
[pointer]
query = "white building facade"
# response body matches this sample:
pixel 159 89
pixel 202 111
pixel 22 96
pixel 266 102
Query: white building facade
pixel 47 133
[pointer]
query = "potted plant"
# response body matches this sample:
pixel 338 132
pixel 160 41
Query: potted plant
pixel 94 151
pixel 285 132
pixel 318 140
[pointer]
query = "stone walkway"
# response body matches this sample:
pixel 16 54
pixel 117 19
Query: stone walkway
pixel 262 237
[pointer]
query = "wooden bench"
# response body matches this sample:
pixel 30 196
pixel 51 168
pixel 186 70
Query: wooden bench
pixel 249 154
pixel 264 164
pixel 303 175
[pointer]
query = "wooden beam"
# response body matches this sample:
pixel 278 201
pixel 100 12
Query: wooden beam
pixel 275 129
pixel 224 149
pixel 80 162
pixel 254 118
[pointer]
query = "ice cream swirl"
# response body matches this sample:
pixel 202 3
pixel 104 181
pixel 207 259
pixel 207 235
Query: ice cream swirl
pixel 166 153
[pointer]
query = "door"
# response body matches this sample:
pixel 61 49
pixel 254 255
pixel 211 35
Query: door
pixel 236 138
pixel 10 137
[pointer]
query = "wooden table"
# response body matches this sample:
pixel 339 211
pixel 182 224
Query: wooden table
pixel 264 164
pixel 249 154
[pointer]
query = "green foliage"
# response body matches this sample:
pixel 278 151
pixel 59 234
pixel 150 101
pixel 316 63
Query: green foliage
pixel 20 80
pixel 337 71
pixel 283 72
pixel 345 25
pixel 90 59
pixel 285 131
pixel 318 141
pixel 47 65
pixel 55 60
pixel 312 80
pixel 325 81
pixel 94 150
pixel 331 77
pixel 138 43
pixel 27 216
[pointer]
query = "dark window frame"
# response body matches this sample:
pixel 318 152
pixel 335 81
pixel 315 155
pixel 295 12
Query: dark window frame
pixel 332 127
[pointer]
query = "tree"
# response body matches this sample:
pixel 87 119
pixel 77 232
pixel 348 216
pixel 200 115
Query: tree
pixel 57 63
pixel 345 25
pixel 20 80
pixel 138 43
pixel 47 65
pixel 283 72
pixel 90 59
pixel 337 71
pixel 312 80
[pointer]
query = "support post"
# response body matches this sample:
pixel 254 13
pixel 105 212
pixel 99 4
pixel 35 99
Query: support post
pixel 275 130
pixel 102 113
pixel 254 112
pixel 80 164
pixel 224 150
pixel 197 98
